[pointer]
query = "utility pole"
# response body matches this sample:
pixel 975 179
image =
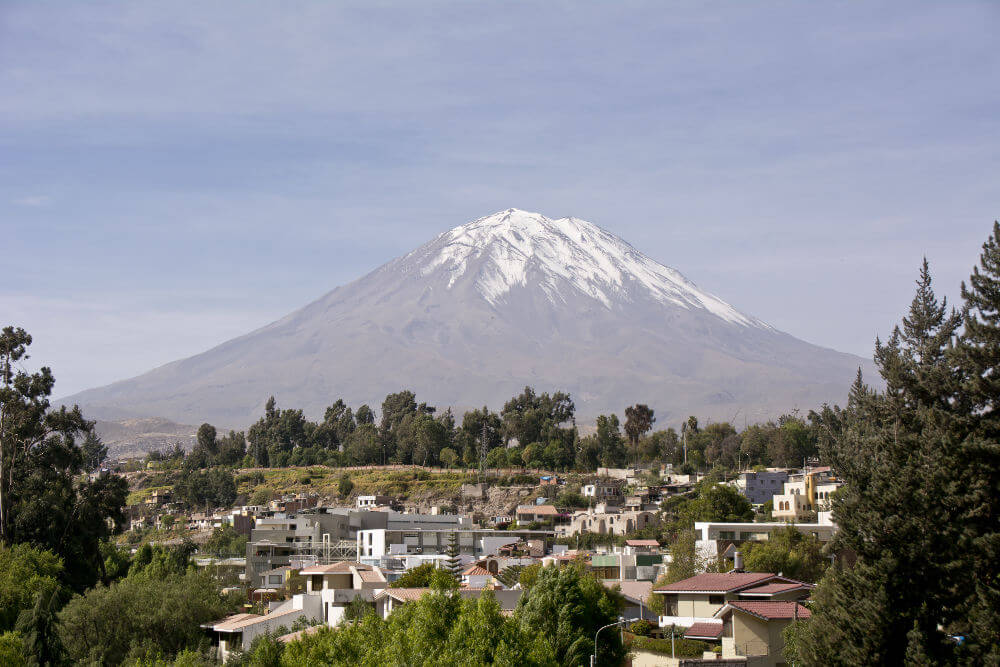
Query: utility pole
pixel 593 656
pixel 684 430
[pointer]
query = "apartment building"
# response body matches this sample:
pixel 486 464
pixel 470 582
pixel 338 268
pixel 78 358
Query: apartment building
pixel 328 534
pixel 338 584
pixel 473 543
pixel 759 487
pixel 805 494
pixel 715 539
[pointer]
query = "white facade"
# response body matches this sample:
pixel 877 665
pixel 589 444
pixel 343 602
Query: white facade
pixel 711 536
pixel 806 493
pixel 379 543
pixel 601 489
pixel 237 633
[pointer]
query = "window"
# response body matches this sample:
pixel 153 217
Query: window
pixel 716 599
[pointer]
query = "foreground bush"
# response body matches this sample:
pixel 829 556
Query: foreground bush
pixel 139 616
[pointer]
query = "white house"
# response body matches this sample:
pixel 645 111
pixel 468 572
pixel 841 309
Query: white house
pixel 237 632
pixel 338 584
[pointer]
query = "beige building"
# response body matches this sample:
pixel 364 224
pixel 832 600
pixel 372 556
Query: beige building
pixel 545 515
pixel 694 602
pixel 804 494
pixel 605 523
pixel 338 584
pixel 752 629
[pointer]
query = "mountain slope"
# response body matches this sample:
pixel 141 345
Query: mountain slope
pixel 474 315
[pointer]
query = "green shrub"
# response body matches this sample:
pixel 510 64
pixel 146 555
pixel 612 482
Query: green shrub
pixel 641 627
pixel 684 648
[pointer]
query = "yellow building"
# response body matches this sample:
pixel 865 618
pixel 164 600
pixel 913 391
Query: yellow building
pixel 806 493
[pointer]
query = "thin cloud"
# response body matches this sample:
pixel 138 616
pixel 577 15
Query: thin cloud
pixel 33 201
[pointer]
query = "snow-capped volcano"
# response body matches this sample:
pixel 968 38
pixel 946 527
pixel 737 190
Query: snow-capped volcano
pixel 502 249
pixel 474 315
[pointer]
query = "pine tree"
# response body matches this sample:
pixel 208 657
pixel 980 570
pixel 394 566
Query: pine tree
pixel 980 343
pixel 978 355
pixel 897 455
pixel 453 563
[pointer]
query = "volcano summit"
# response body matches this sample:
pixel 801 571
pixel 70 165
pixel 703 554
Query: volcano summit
pixel 470 318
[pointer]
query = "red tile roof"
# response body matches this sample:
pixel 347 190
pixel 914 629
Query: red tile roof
pixel 476 570
pixel 772 610
pixel 642 543
pixel 295 636
pixel 717 582
pixel 776 587
pixel 537 510
pixel 704 631
pixel 406 594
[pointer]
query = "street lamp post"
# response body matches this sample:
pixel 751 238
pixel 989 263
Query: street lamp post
pixel 593 657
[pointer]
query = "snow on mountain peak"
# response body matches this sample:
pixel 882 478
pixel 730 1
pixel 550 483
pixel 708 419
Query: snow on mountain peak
pixel 504 248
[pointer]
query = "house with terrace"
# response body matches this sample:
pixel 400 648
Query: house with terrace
pixel 604 489
pixel 540 515
pixel 693 603
pixel 339 584
pixel 236 633
pixel 752 629
pixel 477 576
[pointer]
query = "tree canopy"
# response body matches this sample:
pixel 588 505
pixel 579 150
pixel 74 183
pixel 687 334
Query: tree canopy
pixel 42 501
pixel 921 465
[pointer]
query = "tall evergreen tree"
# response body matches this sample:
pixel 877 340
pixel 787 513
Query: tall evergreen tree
pixel 42 501
pixel 897 456
pixel 94 452
pixel 453 563
pixel 978 355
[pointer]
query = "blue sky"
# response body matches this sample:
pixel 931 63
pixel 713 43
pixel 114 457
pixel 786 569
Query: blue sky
pixel 174 175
